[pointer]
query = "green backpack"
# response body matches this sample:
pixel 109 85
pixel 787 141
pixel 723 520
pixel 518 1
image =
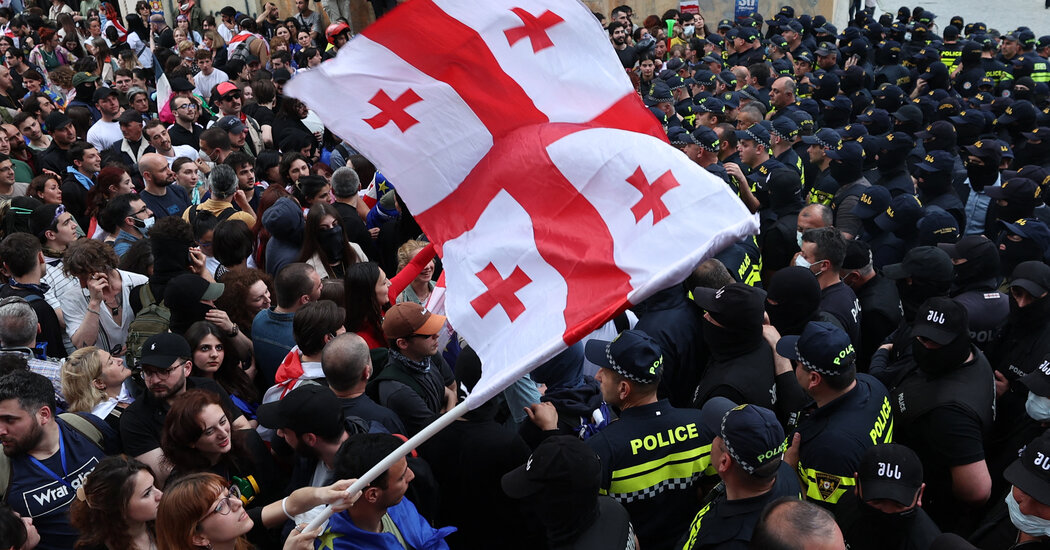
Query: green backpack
pixel 153 318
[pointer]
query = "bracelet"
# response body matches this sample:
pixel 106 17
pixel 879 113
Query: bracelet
pixel 285 510
pixel 95 311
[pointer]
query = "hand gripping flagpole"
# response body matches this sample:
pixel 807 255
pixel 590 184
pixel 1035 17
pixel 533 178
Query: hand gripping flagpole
pixel 426 433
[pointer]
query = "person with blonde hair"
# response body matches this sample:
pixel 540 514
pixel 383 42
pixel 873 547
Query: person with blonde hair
pixel 93 381
pixel 419 289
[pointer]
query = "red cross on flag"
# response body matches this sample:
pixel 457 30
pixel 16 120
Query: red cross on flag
pixel 512 132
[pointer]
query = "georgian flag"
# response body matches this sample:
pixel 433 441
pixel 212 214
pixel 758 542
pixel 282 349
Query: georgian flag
pixel 515 137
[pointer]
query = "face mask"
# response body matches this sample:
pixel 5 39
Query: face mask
pixel 1037 407
pixel 688 30
pixel 943 359
pixel 1012 253
pixel 843 172
pixel 800 261
pixel 1031 525
pixel 331 241
pixel 145 225
pixel 798 239
pixel 80 232
pixel 981 176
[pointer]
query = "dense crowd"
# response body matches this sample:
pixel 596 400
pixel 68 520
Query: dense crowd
pixel 214 314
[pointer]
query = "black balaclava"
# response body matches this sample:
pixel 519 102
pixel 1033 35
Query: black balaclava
pixel 1012 253
pixel 936 362
pixel 797 295
pixel 914 294
pixel 845 172
pixel 981 175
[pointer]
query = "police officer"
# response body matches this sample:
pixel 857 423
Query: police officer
pixel 747 452
pixel 951 50
pixel 975 285
pixel 878 300
pixel 883 511
pixel 659 493
pixel 943 406
pixel 893 149
pixel 850 411
pixel 783 135
pixel 741 364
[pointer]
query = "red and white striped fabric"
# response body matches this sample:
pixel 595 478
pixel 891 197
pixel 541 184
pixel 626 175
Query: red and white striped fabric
pixel 512 132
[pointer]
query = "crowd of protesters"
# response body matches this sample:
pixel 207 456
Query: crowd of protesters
pixel 213 311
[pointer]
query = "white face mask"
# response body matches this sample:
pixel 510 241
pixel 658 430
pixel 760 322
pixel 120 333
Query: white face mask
pixel 1037 407
pixel 798 238
pixel 802 262
pixel 688 30
pixel 1031 525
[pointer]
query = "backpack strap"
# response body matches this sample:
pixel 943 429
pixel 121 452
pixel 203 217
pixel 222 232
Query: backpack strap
pixel 85 427
pixel 82 425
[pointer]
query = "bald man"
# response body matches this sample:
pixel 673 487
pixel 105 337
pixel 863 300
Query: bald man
pixel 159 195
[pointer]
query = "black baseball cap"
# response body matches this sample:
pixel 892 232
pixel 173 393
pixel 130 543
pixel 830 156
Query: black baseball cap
pixel 928 263
pixel 940 319
pixel 57 120
pixel 1015 189
pixel 873 201
pixel 1030 473
pixel 309 408
pixel 890 471
pixel 633 354
pixel 736 305
pixel 970 247
pixel 858 255
pixel 821 347
pixel 904 210
pixel 562 461
pixel 1033 276
pixel 1038 381
pixel 103 93
pixel 163 349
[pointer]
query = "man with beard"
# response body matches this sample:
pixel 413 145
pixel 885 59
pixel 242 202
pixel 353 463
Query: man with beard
pixel 163 198
pixel 741 364
pixel 628 54
pixel 975 286
pixel 943 405
pixel 311 421
pixel 982 170
pixel 884 511
pixel 48 454
pixel 877 296
pixel 166 366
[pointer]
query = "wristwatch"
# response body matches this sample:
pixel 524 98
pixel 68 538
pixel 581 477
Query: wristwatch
pixel 234 331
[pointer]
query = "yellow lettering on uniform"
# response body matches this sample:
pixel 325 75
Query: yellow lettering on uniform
pixel 692 430
pixel 635 445
pixel 650 442
pixel 660 439
pixel 680 433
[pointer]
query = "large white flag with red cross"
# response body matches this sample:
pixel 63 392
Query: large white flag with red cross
pixel 512 132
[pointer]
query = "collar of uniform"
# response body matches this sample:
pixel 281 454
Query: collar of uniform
pixel 651 409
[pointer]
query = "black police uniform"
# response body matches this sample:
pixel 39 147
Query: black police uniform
pixel 791 159
pixel 823 189
pixel 658 493
pixel 950 54
pixel 744 261
pixel 835 436
pixel 997 71
pixel 743 378
pixel 729 524
pixel 840 301
pixel 866 528
pixel 986 308
pixel 882 309
pixel 944 419
pixel 898 182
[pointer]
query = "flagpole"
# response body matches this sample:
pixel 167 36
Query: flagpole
pixel 426 433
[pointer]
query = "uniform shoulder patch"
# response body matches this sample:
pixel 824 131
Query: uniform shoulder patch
pixel 826 485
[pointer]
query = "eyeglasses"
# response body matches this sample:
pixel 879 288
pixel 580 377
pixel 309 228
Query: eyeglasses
pixel 187 106
pixel 231 95
pixel 225 505
pixel 136 213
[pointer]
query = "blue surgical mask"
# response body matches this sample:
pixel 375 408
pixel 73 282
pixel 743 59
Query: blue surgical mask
pixel 1037 407
pixel 1031 525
